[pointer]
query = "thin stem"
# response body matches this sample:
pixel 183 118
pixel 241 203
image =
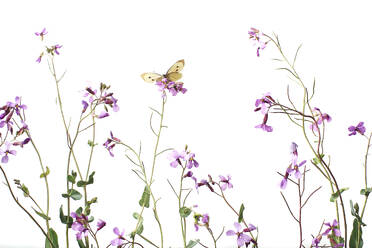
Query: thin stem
pixel 25 210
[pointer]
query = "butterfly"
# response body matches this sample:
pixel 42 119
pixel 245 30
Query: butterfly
pixel 173 74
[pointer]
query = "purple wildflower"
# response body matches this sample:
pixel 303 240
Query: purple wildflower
pixel 120 239
pixel 264 103
pixel 176 158
pixel 316 241
pixel 242 238
pixel 320 118
pixel 7 151
pixel 102 115
pixel 334 228
pixel 55 48
pixel 42 33
pixel 283 183
pixel 108 144
pixel 225 182
pixel 38 60
pixel 358 128
pixel 21 143
pixel 292 167
pixel 204 220
pixel 17 105
pixel 100 224
pixel 173 87
pixel 85 106
pixel 79 225
pixel 256 36
pixel 190 158
pixel 263 125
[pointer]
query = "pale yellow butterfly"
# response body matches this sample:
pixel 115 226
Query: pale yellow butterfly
pixel 173 74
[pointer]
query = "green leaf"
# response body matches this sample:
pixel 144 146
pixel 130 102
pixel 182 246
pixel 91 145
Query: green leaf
pixel 53 237
pixel 136 216
pixel 84 183
pixel 334 196
pixel 64 218
pixel 46 173
pixel 366 191
pixel 65 196
pixel 192 243
pixel 81 244
pixel 26 192
pixel 139 229
pixel 72 178
pixel 185 212
pixel 241 211
pixel 145 199
pixel 45 217
pixel 79 211
pixel 74 194
pixel 356 240
pixel 91 143
pixel 355 212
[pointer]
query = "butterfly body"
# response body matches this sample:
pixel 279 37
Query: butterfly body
pixel 173 74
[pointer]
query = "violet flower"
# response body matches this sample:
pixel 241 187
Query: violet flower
pixel 100 224
pixel 173 87
pixel 264 103
pixel 333 228
pixel 357 129
pixel 102 115
pixel 225 182
pixel 242 238
pixel 263 125
pixel 316 241
pixel 120 239
pixel 190 158
pixel 7 151
pixel 85 106
pixel 38 60
pixel 320 118
pixel 79 225
pixel 55 49
pixel 176 158
pixel 108 144
pixel 42 33
pixel 256 36
pixel 203 218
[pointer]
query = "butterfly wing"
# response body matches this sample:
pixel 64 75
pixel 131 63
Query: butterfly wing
pixel 177 67
pixel 151 77
pixel 173 76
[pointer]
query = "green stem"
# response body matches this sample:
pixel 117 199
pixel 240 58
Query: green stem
pixel 183 227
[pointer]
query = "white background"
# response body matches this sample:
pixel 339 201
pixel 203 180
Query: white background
pixel 115 41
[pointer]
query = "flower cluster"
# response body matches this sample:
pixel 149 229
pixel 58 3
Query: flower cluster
pixel 332 232
pixel 256 36
pixel 11 113
pixel 263 104
pixel 185 156
pixel 293 167
pixel 242 238
pixel 52 50
pixel 104 98
pixel 173 87
pixel 82 227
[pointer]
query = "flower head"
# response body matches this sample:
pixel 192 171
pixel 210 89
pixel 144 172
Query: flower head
pixel 225 182
pixel 173 87
pixel 185 156
pixel 200 220
pixel 242 238
pixel 256 36
pixel 100 224
pixel 120 237
pixel 264 126
pixel 264 103
pixel 42 33
pixel 357 129
pixel 80 225
pixel 7 151
pixel 110 143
